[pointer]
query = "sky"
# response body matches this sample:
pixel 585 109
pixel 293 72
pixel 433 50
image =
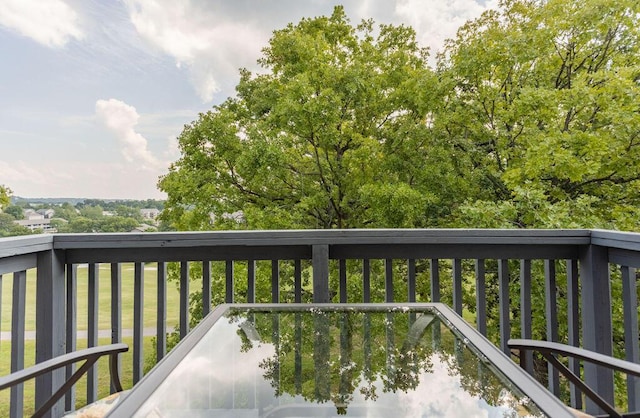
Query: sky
pixel 94 93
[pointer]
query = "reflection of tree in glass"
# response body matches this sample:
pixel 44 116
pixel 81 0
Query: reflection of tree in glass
pixel 339 352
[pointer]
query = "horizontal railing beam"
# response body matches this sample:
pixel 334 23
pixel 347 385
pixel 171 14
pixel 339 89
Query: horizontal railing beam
pixel 18 263
pixel 624 257
pixel 24 245
pixel 322 237
pixel 338 251
pixel 449 251
pixel 615 239
pixel 117 255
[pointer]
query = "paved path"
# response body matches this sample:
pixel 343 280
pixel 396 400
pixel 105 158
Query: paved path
pixel 82 335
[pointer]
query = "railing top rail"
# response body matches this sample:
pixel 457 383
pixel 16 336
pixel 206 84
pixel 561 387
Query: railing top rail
pixel 616 239
pixel 28 244
pixel 15 246
pixel 332 237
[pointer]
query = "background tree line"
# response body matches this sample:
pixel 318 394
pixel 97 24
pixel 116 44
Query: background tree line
pixel 88 215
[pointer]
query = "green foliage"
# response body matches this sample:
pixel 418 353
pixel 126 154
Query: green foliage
pixel 128 212
pixel 334 135
pixel 81 224
pixel 15 211
pixel 66 211
pixel 91 212
pixel 543 97
pixel 5 194
pixel 9 228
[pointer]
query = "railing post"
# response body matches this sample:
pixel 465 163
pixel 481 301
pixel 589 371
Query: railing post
pixel 116 311
pixel 50 324
pixel 17 339
pixel 320 260
pixel 596 320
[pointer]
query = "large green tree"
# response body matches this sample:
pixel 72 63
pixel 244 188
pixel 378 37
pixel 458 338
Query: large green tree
pixel 335 133
pixel 544 103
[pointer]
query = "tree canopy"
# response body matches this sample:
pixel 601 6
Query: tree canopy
pixel 529 120
pixel 335 134
pixel 544 99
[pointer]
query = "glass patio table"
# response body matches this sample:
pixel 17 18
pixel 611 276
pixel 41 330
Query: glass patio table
pixel 325 360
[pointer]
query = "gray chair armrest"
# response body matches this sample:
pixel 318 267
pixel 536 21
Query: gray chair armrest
pixel 550 349
pixel 89 355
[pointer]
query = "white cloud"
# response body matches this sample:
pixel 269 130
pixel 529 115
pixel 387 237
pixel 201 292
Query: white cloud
pixel 52 22
pixel 120 119
pixel 210 47
pixel 105 180
pixel 436 20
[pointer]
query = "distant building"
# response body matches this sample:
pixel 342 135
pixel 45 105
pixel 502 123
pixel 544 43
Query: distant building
pixel 47 213
pixel 35 224
pixel 150 213
pixel 32 215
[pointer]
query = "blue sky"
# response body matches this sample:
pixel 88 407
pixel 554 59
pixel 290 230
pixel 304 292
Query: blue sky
pixel 93 93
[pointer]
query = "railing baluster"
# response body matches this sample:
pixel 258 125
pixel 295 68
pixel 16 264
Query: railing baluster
pixel 161 313
pixel 505 320
pixel 366 280
pixel 206 288
pixel 342 268
pixel 551 315
pixel 92 330
pixel 411 280
pixel 573 319
pixel 229 281
pixel 138 321
pixel 388 282
pixel 17 338
pixel 275 279
pixel 525 310
pixel 297 277
pixel 71 328
pixel 251 281
pixel 632 352
pixel 457 285
pixel 116 304
pixel 184 299
pixel 435 280
pixel 481 297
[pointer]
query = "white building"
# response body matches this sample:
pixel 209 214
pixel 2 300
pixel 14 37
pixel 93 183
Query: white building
pixel 150 213
pixel 35 224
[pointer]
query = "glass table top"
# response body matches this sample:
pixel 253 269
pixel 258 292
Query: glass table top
pixel 333 361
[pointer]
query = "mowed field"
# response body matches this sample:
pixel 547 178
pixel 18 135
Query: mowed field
pixel 104 322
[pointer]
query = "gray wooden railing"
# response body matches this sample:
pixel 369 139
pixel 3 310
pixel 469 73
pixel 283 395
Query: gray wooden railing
pixel 466 268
